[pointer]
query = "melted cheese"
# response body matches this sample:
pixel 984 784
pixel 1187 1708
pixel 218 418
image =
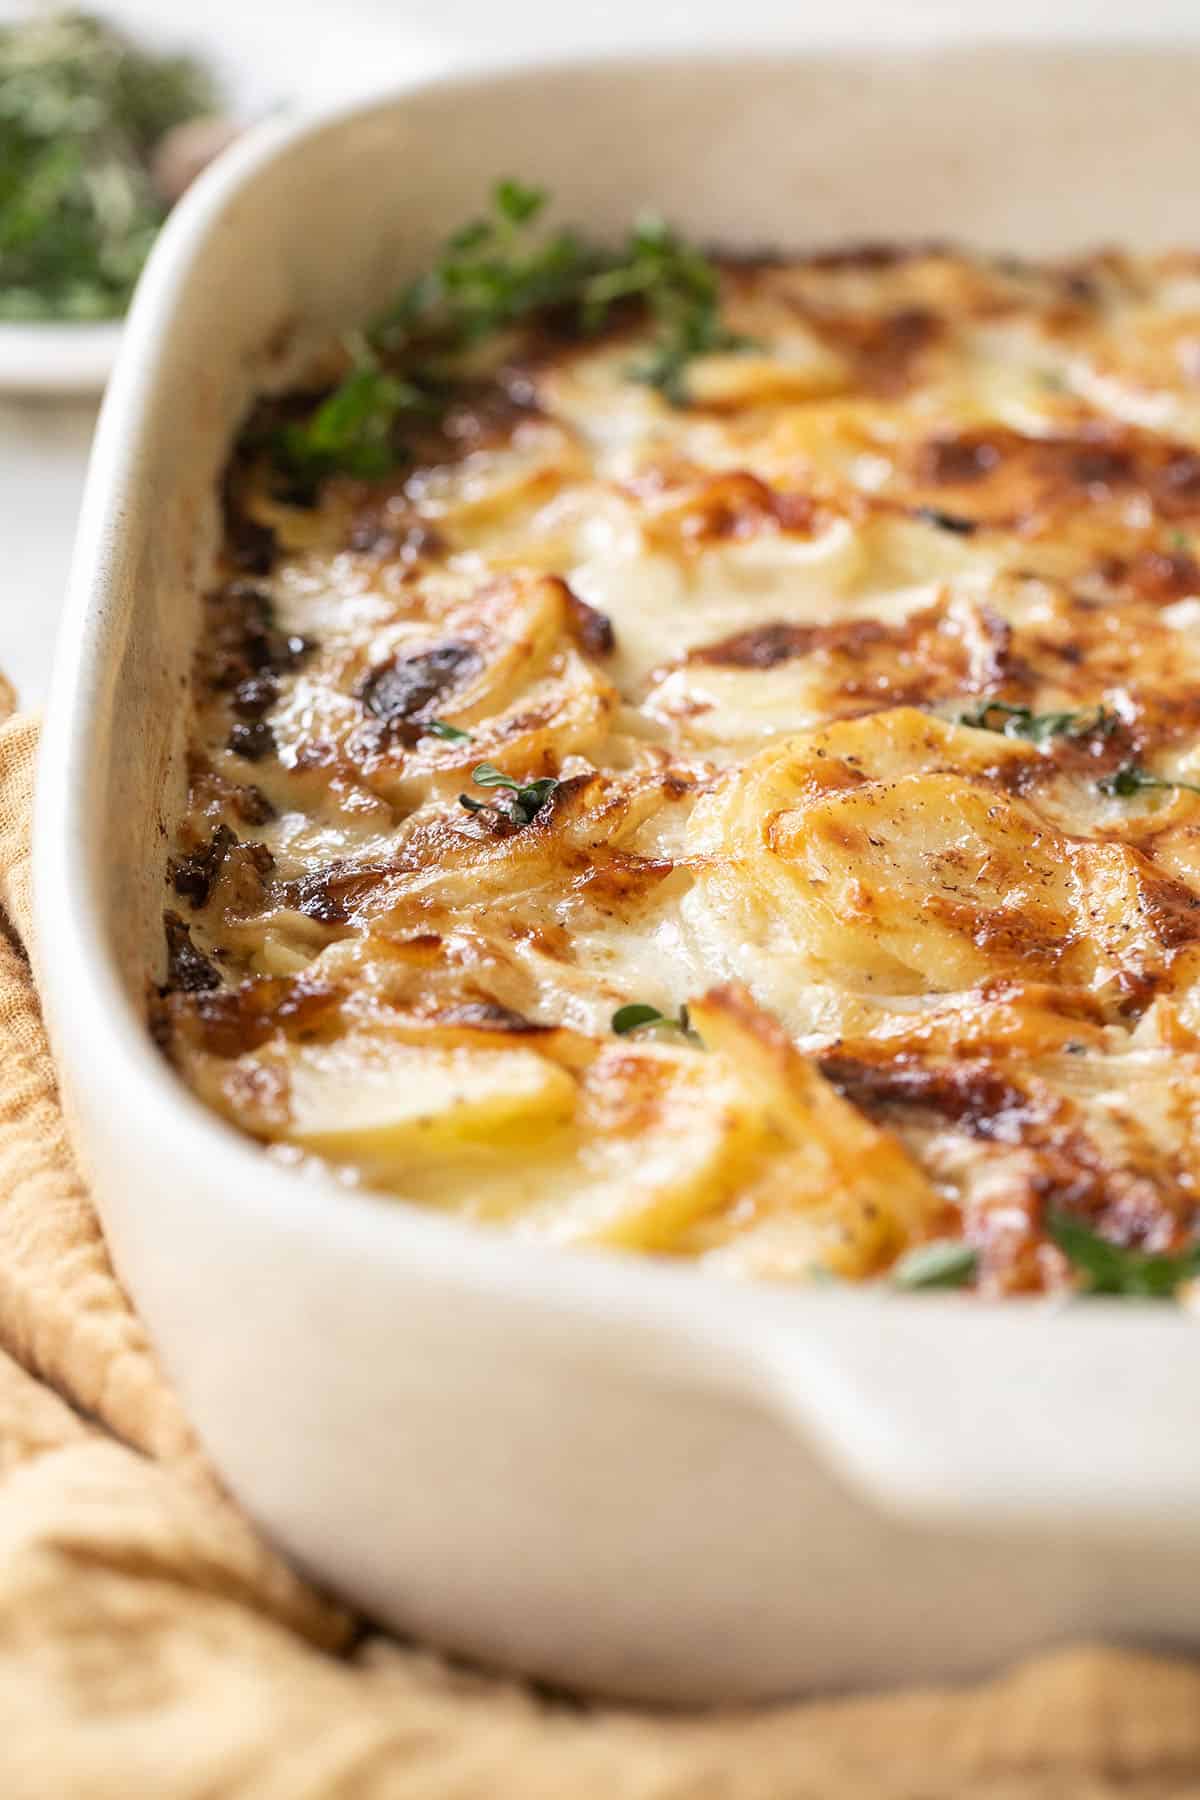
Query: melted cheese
pixel 939 977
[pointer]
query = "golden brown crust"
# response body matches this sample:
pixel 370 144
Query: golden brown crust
pixel 788 663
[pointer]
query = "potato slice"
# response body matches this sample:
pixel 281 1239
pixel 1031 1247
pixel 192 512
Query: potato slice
pixel 881 858
pixel 375 1101
pixel 746 1150
pixel 833 1189
pixel 665 1135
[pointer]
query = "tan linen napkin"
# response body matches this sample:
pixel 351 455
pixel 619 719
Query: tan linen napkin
pixel 152 1645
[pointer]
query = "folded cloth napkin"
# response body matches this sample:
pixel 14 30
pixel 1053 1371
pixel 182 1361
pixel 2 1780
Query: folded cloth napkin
pixel 152 1644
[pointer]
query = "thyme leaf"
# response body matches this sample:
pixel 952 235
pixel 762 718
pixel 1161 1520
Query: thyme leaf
pixel 495 272
pixel 957 523
pixel 637 1014
pixel 1131 778
pixel 681 288
pixel 353 430
pixel 438 728
pixel 1106 1268
pixel 528 798
pixel 944 1263
pixel 1039 728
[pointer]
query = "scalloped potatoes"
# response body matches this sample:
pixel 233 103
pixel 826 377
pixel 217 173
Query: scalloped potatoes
pixel 853 706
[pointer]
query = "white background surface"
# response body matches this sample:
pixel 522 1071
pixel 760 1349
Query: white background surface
pixel 307 51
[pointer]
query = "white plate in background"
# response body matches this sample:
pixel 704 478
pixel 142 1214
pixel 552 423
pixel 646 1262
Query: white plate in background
pixel 57 358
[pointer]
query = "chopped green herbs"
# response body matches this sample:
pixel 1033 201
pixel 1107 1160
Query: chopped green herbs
pixel 1039 728
pixel 1131 778
pixel 1106 1268
pixel 941 1264
pixel 820 1275
pixel 81 111
pixel 637 1014
pixel 957 523
pixel 438 728
pixel 353 429
pixel 528 798
pixel 493 274
pixel 681 289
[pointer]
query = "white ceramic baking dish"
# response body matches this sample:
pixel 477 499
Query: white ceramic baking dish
pixel 615 1475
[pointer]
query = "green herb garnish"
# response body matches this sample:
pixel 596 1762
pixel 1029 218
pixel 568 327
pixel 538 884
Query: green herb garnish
pixel 941 1264
pixel 1131 778
pixel 438 728
pixel 681 288
pixel 1039 728
pixel 637 1014
pixel 957 523
pixel 81 111
pixel 353 430
pixel 492 274
pixel 820 1275
pixel 1108 1269
pixel 528 798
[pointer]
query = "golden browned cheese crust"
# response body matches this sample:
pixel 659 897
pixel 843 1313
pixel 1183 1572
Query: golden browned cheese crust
pixel 941 977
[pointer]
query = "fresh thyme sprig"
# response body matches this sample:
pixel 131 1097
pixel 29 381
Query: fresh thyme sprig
pixel 1131 778
pixel 528 798
pixel 1106 1268
pixel 1101 1267
pixel 944 1263
pixel 1039 728
pixel 492 274
pixel 637 1014
pixel 354 429
pixel 682 290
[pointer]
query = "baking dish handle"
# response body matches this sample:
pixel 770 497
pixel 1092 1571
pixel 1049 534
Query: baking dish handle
pixel 1084 1419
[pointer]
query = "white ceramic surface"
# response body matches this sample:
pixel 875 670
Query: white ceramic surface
pixel 617 1475
pixel 57 359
